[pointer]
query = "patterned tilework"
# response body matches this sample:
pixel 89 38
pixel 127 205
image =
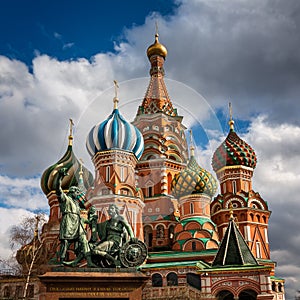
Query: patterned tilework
pixel 115 133
pixel 193 180
pixel 72 164
pixel 234 151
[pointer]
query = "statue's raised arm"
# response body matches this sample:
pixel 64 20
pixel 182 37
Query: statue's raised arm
pixel 57 184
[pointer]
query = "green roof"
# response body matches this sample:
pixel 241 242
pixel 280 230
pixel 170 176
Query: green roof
pixel 180 254
pixel 192 263
pixel 199 220
pixel 234 250
pixel 232 268
pixel 277 278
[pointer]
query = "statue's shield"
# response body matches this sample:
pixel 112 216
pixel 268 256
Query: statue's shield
pixel 133 253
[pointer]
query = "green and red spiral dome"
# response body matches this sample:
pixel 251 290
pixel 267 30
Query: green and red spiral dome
pixel 234 152
pixel 193 180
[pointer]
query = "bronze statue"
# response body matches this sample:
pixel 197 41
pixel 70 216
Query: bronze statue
pixel 113 233
pixel 92 221
pixel 112 242
pixel 72 225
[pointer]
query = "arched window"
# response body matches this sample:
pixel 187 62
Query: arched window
pixel 266 235
pixel 194 246
pixel 192 208
pixel 258 250
pixel 169 182
pixel 172 279
pixel 148 235
pixel 171 231
pixel 160 232
pixel 248 295
pixel 225 295
pixel 157 280
pixel 122 174
pixel 233 186
pixel 246 186
pixel 194 280
pixel 7 292
pixel 107 174
pixel 150 191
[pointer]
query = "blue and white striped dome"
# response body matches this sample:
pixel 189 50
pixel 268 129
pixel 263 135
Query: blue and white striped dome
pixel 115 133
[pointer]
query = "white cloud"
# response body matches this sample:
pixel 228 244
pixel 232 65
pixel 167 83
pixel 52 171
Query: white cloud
pixel 68 45
pixel 22 193
pixel 9 217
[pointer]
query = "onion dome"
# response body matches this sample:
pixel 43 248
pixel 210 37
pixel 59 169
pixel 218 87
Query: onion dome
pixel 78 174
pixel 193 180
pixel 157 49
pixel 115 133
pixel 233 152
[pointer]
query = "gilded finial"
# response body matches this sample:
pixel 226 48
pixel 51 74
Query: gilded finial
pixel 116 99
pixel 231 122
pixel 71 132
pixel 157 48
pixel 192 147
pixel 81 164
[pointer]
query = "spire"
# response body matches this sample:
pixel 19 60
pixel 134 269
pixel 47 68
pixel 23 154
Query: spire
pixel 71 132
pixel 192 147
pixel 116 99
pixel 233 249
pixel 157 49
pixel 231 122
pixel 157 99
pixel 80 179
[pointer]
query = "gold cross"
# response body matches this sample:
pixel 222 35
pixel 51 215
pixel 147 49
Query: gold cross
pixel 71 126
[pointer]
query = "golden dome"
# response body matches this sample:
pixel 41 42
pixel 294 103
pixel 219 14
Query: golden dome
pixel 157 49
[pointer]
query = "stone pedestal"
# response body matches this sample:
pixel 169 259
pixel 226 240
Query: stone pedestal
pixel 92 284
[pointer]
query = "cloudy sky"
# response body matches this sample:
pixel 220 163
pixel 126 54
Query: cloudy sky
pixel 58 60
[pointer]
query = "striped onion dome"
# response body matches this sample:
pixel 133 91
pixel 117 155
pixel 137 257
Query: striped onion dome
pixel 193 180
pixel 233 152
pixel 115 133
pixel 78 174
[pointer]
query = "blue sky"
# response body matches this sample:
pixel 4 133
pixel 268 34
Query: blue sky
pixel 69 29
pixel 58 59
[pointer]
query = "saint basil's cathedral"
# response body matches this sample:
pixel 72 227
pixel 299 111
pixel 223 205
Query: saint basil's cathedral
pixel 200 245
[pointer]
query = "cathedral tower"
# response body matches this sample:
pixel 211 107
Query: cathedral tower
pixel 234 162
pixel 194 187
pixel 164 156
pixel 115 146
